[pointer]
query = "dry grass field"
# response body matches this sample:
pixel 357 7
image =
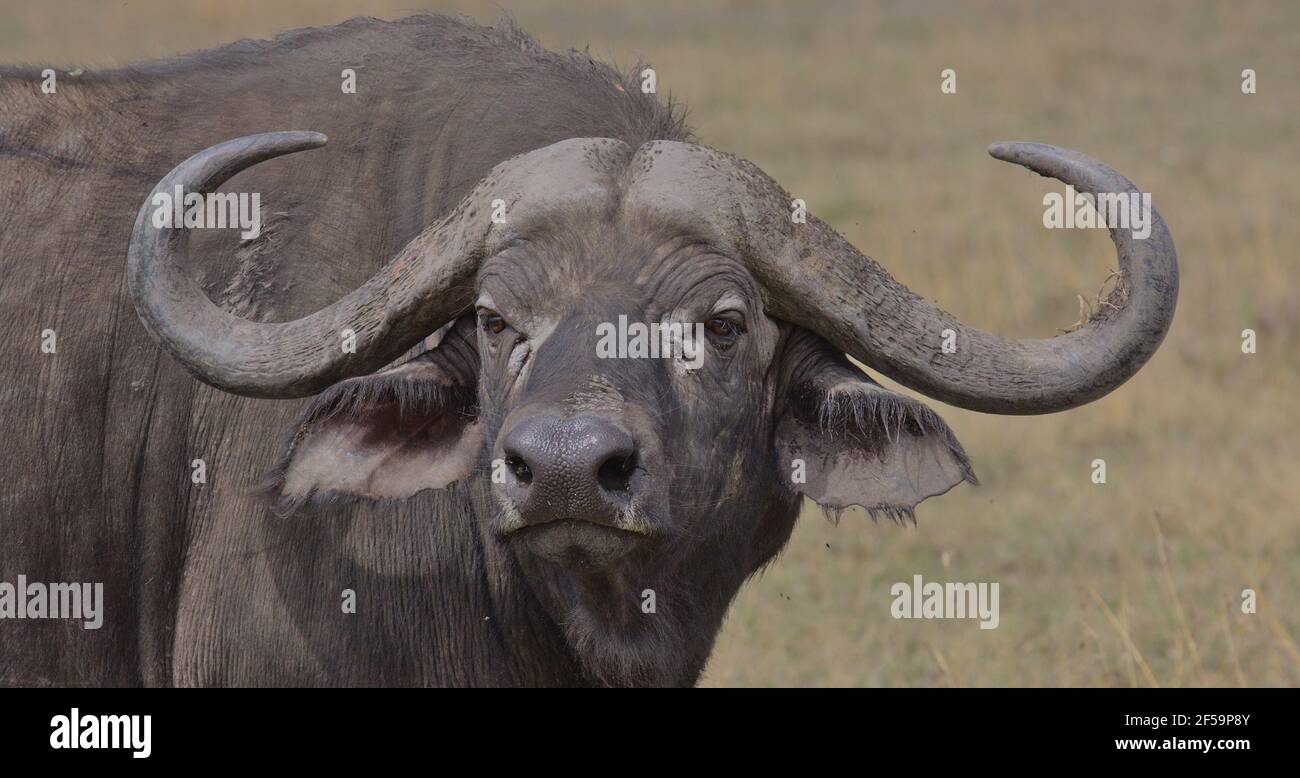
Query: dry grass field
pixel 1134 582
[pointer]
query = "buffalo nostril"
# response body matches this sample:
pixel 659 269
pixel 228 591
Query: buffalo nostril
pixel 615 473
pixel 520 468
pixel 569 468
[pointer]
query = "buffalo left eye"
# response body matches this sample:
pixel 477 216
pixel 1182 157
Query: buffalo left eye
pixel 492 323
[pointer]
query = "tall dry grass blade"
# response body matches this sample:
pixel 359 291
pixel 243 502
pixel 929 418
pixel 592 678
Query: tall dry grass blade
pixel 948 675
pixel 1288 644
pixel 1128 641
pixel 1232 645
pixel 1101 649
pixel 1173 594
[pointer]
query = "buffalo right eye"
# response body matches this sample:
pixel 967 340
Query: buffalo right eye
pixel 724 330
pixel 492 323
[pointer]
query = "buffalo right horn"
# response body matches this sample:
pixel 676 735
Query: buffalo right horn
pixel 427 284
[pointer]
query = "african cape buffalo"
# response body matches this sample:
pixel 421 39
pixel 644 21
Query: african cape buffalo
pixel 496 496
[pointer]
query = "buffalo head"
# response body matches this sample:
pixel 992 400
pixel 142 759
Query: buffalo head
pixel 608 474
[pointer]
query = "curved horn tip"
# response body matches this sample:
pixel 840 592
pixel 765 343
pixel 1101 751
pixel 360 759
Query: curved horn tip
pixel 1018 151
pixel 303 139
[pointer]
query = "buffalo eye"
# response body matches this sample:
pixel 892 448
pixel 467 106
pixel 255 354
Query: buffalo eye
pixel 491 323
pixel 724 330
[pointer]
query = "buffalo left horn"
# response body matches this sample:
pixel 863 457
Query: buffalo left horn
pixel 815 278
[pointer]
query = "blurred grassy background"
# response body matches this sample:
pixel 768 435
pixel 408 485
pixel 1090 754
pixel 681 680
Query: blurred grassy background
pixel 1134 582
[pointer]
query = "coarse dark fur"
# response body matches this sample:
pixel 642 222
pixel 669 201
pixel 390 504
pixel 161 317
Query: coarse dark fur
pixel 204 583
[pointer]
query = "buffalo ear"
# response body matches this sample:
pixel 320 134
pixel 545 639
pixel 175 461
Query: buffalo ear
pixel 389 435
pixel 856 443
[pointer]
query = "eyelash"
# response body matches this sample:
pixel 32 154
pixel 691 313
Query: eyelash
pixel 730 329
pixel 491 323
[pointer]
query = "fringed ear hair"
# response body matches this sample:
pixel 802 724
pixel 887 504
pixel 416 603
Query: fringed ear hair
pixel 409 428
pixel 850 441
